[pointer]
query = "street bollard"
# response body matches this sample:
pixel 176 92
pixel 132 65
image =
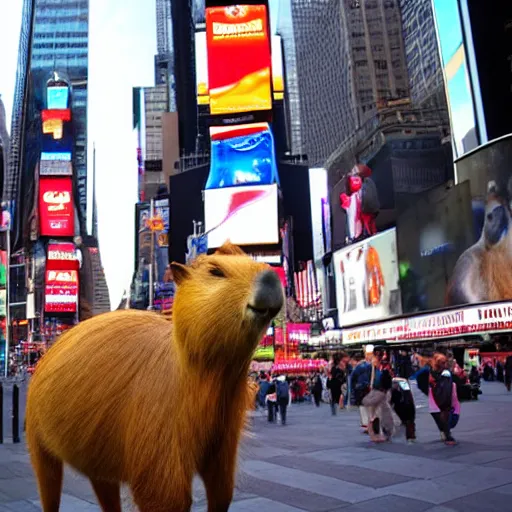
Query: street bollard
pixel 1 414
pixel 16 414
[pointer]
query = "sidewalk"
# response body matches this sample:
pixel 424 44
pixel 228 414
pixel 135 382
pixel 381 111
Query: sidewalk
pixel 322 463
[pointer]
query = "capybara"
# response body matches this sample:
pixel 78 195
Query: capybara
pixel 130 397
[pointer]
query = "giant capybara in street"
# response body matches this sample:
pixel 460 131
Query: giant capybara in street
pixel 130 397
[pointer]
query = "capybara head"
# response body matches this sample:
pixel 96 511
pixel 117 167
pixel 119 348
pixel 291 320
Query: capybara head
pixel 223 305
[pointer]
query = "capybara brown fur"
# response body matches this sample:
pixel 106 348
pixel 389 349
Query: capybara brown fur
pixel 129 397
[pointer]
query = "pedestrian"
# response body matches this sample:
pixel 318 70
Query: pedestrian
pixel 271 399
pixel 402 401
pixel 508 372
pixel 317 389
pixel 264 385
pixel 334 384
pixel 283 397
pixel 442 397
pixel 364 377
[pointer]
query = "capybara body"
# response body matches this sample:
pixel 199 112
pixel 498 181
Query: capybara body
pixel 129 397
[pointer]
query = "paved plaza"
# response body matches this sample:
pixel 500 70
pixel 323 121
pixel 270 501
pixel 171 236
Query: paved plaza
pixel 322 463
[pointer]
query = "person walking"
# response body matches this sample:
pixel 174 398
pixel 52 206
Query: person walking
pixel 334 384
pixel 508 373
pixel 317 389
pixel 271 399
pixel 364 377
pixel 442 397
pixel 283 397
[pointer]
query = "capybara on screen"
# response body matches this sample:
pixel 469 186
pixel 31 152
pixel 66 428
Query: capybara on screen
pixel 129 397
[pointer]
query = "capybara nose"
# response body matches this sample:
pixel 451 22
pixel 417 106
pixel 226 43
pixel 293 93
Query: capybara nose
pixel 267 298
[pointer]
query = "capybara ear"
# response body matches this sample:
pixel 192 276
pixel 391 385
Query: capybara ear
pixel 228 249
pixel 180 272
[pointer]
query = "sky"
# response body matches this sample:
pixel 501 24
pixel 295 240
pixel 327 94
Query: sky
pixel 122 45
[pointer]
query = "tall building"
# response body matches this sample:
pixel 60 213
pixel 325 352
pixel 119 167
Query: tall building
pixel 4 144
pixel 11 186
pixel 61 43
pixel 164 60
pixel 285 30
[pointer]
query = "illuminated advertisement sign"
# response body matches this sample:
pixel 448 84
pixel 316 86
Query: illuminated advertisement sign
pixel 57 97
pixel 56 211
pixel 367 280
pixel 203 93
pixel 239 59
pixel 56 115
pixel 244 215
pixel 62 256
pixel 242 155
pixel 55 168
pixel 61 157
pixel 61 291
pixel 450 323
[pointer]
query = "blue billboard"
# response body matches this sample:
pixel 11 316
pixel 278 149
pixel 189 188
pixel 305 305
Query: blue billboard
pixel 242 155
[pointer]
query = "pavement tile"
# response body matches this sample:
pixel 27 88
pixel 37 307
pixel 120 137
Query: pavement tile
pixel 487 501
pixel 18 489
pixel 434 492
pixel 20 506
pixel 388 503
pixel 327 486
pixel 480 457
pixel 477 478
pixel 276 491
pixel 505 463
pixel 357 475
pixel 504 489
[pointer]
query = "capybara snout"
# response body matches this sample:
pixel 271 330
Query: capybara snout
pixel 267 297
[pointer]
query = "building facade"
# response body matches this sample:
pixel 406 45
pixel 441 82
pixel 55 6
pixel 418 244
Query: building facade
pixel 61 43
pixel 4 144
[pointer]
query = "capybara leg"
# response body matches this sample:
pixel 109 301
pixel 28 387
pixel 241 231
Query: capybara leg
pixel 109 495
pixel 219 480
pixel 49 473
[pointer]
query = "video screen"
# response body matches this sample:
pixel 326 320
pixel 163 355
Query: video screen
pixel 243 215
pixel 239 59
pixel 57 97
pixel 367 280
pixel 56 208
pixel 242 155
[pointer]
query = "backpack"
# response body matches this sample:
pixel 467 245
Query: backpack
pixel 442 390
pixel 283 391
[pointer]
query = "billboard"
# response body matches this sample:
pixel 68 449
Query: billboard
pixel 57 98
pixel 56 208
pixel 367 281
pixel 239 59
pixel 242 155
pixel 203 92
pixel 55 168
pixel 61 291
pixel 432 233
pixel 244 215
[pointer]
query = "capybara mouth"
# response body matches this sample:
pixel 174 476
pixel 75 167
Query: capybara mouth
pixel 263 313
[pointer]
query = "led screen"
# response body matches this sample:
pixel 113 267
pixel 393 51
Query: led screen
pixel 55 168
pixel 242 155
pixel 244 215
pixel 367 281
pixel 57 97
pixel 61 291
pixel 239 59
pixel 62 157
pixel 203 94
pixel 56 211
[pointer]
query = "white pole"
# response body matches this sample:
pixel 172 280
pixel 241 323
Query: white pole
pixel 151 264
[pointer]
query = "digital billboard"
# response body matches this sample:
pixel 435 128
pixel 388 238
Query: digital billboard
pixel 61 291
pixel 242 155
pixel 367 280
pixel 55 168
pixel 244 215
pixel 56 208
pixel 239 59
pixel 203 93
pixel 57 97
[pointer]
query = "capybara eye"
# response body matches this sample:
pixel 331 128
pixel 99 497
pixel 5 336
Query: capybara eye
pixel 217 272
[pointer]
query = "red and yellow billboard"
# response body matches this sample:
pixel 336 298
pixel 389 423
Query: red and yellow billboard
pixel 56 210
pixel 239 59
pixel 61 291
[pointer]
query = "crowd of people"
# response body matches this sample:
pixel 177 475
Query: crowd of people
pixel 381 389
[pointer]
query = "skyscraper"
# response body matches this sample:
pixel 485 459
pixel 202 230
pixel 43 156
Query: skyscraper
pixel 61 43
pixel 164 60
pixel 4 144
